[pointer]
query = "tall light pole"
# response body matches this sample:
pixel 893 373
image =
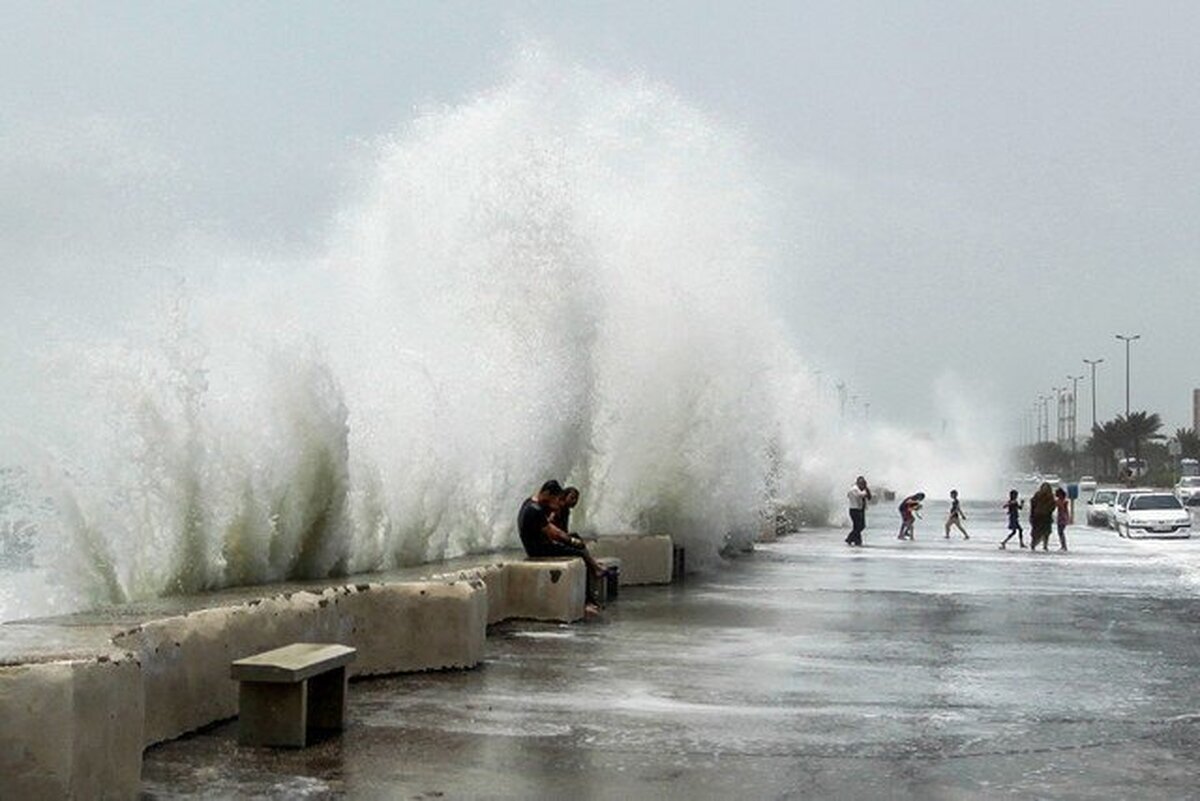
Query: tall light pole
pixel 1043 418
pixel 1073 420
pixel 1058 413
pixel 1092 364
pixel 1127 340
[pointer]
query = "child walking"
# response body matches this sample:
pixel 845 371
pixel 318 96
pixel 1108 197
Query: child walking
pixel 1013 507
pixel 1062 509
pixel 956 516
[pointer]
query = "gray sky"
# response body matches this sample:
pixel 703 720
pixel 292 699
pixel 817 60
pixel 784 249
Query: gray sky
pixel 993 189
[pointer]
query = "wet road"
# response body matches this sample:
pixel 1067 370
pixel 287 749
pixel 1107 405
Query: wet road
pixel 927 670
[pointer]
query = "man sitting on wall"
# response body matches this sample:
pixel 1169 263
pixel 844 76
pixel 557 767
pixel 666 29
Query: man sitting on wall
pixel 539 534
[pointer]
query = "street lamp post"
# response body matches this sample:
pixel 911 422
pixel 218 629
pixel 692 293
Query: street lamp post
pixel 1043 418
pixel 1092 364
pixel 1046 416
pixel 1058 414
pixel 1127 340
pixel 1072 418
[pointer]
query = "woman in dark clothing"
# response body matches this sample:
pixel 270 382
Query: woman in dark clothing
pixel 1041 517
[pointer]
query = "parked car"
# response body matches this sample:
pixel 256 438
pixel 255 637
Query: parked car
pixel 1121 506
pixel 1156 514
pixel 1100 508
pixel 1188 490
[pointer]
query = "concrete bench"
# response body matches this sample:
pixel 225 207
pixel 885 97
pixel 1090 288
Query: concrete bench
pixel 546 588
pixel 290 691
pixel 599 590
pixel 645 558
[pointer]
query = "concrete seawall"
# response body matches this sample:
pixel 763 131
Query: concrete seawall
pixel 82 696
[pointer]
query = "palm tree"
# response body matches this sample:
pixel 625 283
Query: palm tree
pixel 1140 426
pixel 1106 438
pixel 1189 442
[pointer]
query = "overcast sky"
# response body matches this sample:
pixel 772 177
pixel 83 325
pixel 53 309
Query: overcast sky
pixel 991 190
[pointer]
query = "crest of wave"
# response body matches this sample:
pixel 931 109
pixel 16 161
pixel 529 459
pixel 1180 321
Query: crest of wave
pixel 562 277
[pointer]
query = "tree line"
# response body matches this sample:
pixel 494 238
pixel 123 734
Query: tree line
pixel 1138 435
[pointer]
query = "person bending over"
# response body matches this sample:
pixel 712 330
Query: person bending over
pixel 910 509
pixel 562 517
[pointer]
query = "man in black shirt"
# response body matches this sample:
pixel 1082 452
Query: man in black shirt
pixel 541 537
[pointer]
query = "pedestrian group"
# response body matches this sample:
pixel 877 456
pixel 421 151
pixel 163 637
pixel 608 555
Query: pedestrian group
pixel 1047 508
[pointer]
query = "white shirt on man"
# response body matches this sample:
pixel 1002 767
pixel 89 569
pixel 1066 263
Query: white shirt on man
pixel 857 497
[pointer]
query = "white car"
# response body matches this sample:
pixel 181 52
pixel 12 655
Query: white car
pixel 1188 490
pixel 1120 507
pixel 1100 508
pixel 1087 484
pixel 1156 514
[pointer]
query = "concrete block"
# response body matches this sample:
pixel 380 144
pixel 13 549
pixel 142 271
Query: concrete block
pixel 645 558
pixel 550 589
pixel 77 728
pixel 71 729
pixel 395 627
pixel 422 625
pixel 495 581
pixel 186 658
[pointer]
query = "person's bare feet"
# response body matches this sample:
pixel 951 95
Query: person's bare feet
pixel 591 610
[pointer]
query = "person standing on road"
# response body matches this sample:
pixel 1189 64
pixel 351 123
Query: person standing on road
pixel 1013 507
pixel 1041 517
pixel 956 516
pixel 1062 513
pixel 909 511
pixel 859 496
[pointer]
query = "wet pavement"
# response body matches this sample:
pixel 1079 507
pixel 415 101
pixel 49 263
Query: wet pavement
pixel 927 670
